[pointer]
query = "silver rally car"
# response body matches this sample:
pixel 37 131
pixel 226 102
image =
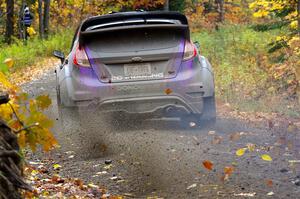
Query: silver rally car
pixel 137 63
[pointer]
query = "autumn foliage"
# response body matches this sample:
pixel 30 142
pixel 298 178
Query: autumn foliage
pixel 25 116
pixel 283 65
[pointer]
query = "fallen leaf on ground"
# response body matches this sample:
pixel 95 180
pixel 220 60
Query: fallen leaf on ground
pixel 56 166
pixel 217 139
pixel 101 172
pixel 228 170
pixel 208 164
pixel 266 157
pixel 107 167
pixel 251 147
pixel 128 194
pixel 57 179
pixel 269 182
pixel 34 172
pixel 78 182
pixel 35 163
pixel 245 194
pixel 294 161
pixel 240 152
pixel 192 124
pixel 270 193
pixel 234 136
pixel 91 185
pixel 191 186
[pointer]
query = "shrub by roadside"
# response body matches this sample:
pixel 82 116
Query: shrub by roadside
pixel 239 57
pixel 25 55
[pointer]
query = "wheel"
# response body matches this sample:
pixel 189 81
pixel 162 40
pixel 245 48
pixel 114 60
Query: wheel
pixel 206 119
pixel 208 116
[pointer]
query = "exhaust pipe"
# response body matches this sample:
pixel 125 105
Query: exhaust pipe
pixel 169 109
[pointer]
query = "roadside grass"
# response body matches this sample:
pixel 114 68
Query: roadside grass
pixel 25 55
pixel 235 52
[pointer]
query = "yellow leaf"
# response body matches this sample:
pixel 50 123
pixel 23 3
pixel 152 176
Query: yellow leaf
pixel 22 139
pixel 34 172
pixel 9 62
pixel 228 170
pixel 56 166
pixel 266 157
pixel 294 24
pixel 251 147
pixel 91 185
pixel 5 83
pixel 31 31
pixel 32 141
pixel 240 152
pixel 6 112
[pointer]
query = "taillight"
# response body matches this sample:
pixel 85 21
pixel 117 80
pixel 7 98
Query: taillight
pixel 190 51
pixel 80 58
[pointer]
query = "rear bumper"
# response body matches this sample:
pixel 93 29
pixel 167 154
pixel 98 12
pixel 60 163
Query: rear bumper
pixel 185 92
pixel 154 104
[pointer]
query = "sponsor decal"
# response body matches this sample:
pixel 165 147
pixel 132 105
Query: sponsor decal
pixel 137 77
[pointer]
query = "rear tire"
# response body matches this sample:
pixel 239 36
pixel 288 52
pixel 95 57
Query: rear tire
pixel 206 119
pixel 209 114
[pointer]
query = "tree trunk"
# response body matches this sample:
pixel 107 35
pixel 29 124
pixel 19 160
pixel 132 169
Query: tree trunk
pixel 46 17
pixel 166 5
pixel 298 68
pixel 221 10
pixel 11 179
pixel 21 25
pixel 41 18
pixel 298 9
pixel 9 20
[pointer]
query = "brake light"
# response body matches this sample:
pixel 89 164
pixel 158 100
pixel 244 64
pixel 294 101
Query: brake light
pixel 80 58
pixel 190 51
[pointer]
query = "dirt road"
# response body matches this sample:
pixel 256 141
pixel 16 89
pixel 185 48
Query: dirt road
pixel 162 158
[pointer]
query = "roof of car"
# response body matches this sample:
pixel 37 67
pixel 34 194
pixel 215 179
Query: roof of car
pixel 95 20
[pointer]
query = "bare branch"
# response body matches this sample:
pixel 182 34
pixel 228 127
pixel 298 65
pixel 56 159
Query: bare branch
pixel 12 108
pixel 26 128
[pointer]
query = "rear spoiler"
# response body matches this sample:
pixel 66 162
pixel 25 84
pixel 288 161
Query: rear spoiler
pixel 134 20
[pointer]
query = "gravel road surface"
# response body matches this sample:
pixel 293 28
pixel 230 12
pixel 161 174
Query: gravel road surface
pixel 162 158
